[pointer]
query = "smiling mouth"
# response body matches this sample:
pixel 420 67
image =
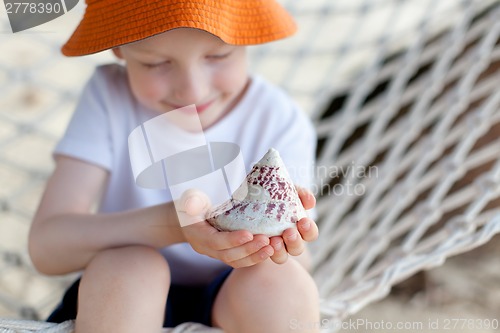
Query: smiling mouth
pixel 199 107
pixel 203 107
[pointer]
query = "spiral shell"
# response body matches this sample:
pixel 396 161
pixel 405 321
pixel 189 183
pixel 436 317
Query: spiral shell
pixel 266 203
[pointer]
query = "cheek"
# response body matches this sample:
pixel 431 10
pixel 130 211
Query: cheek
pixel 146 88
pixel 232 78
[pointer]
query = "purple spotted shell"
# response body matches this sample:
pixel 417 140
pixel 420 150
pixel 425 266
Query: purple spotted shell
pixel 271 204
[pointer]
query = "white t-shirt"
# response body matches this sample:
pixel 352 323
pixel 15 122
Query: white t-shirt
pixel 107 112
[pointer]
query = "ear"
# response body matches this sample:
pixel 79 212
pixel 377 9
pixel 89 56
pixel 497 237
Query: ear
pixel 118 52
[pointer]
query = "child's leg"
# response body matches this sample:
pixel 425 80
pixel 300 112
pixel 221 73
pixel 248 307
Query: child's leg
pixel 123 290
pixel 269 298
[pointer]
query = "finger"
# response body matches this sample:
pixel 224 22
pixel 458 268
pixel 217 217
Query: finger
pixel 307 229
pixel 253 259
pixel 192 207
pixel 245 250
pixel 280 255
pixel 306 197
pixel 223 240
pixel 195 205
pixel 293 241
pixel 194 202
pixel 216 240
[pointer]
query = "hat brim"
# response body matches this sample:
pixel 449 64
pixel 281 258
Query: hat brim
pixel 109 24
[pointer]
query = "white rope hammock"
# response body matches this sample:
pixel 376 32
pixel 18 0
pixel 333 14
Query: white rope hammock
pixel 435 148
pixel 408 168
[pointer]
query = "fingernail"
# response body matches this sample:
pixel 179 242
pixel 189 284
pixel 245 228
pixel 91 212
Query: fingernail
pixel 278 246
pixel 306 226
pixel 193 205
pixel 292 237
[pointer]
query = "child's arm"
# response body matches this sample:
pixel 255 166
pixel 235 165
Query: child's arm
pixel 65 235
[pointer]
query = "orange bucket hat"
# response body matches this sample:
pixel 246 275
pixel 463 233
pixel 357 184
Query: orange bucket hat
pixel 111 23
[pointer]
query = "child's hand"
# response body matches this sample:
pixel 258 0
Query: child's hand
pixel 292 241
pixel 235 248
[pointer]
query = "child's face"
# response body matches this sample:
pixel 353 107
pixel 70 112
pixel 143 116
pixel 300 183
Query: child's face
pixel 186 66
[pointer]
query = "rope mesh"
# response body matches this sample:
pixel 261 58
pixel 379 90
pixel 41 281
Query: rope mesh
pixel 404 96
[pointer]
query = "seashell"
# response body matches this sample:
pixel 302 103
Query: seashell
pixel 266 203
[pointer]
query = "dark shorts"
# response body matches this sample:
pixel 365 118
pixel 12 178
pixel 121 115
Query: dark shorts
pixel 184 303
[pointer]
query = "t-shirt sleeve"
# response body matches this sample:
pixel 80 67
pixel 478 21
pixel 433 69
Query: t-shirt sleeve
pixel 88 136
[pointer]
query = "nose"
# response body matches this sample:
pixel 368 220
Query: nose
pixel 190 86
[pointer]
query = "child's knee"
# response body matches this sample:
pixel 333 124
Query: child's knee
pixel 130 262
pixel 288 291
pixel 119 283
pixel 288 277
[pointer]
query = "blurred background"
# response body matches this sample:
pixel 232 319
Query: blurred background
pixel 341 47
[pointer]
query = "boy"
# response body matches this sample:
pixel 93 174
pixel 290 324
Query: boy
pixel 132 251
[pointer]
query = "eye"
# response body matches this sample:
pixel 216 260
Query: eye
pixel 155 65
pixel 218 56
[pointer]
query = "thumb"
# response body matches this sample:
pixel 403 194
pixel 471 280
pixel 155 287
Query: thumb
pixel 194 203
